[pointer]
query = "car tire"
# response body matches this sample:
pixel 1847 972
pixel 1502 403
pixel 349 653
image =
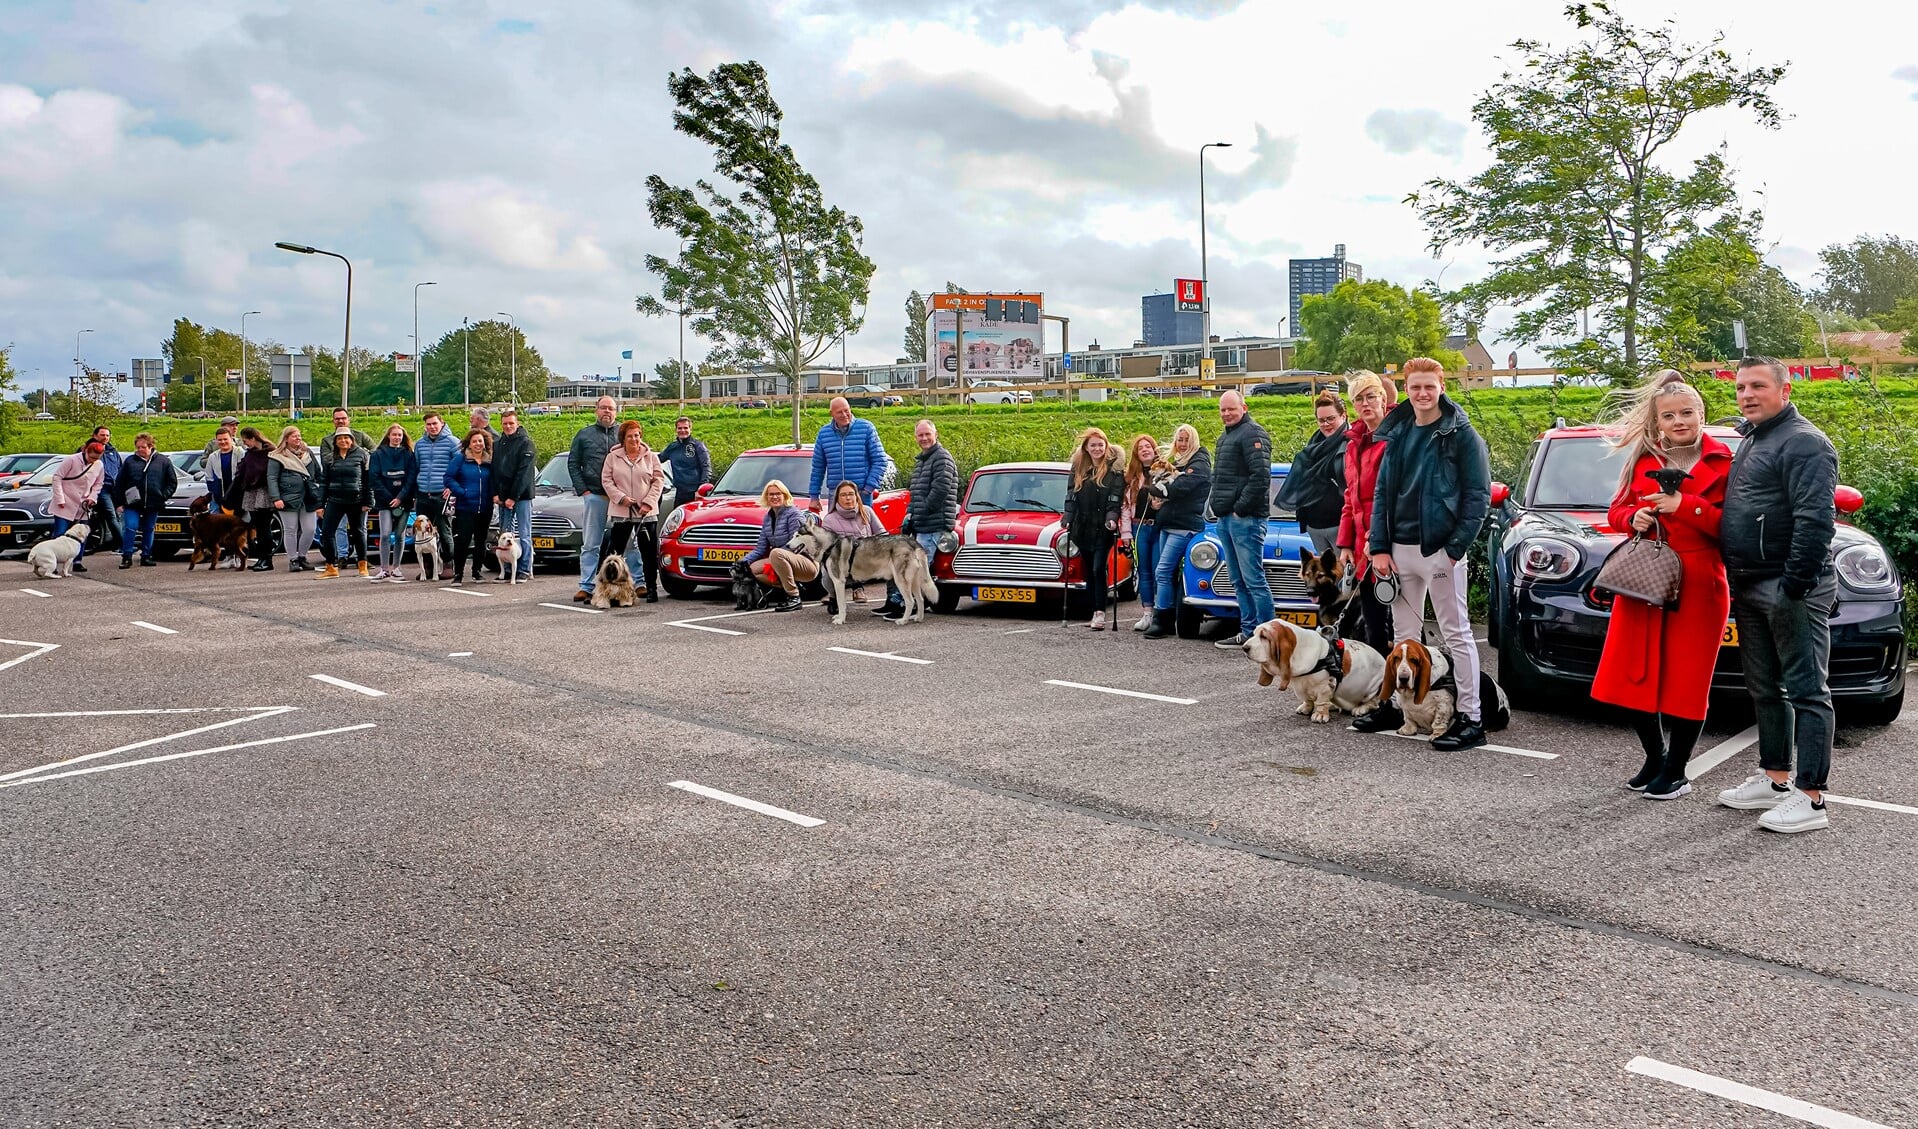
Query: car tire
pixel 949 598
pixel 676 587
pixel 1187 618
pixel 1880 711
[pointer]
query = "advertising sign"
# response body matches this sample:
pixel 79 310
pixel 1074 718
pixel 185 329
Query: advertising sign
pixel 402 362
pixel 292 376
pixel 1005 338
pixel 1189 295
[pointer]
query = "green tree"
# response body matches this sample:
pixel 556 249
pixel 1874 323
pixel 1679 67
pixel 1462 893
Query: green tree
pixel 916 314
pixel 1577 204
pixel 1869 277
pixel 95 399
pixel 496 349
pixel 1777 321
pixel 1370 325
pixel 775 275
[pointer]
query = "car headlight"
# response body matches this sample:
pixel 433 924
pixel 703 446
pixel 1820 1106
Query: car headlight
pixel 948 542
pixel 673 521
pixel 1065 547
pixel 1548 558
pixel 1205 556
pixel 46 509
pixel 1865 568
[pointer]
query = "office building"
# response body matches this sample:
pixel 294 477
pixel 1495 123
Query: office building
pixel 1161 323
pixel 1319 276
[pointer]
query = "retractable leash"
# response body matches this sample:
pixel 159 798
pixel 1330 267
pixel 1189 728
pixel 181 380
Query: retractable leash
pixel 1065 591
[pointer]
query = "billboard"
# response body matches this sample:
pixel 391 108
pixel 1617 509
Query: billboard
pixel 1191 295
pixel 292 376
pixel 1004 337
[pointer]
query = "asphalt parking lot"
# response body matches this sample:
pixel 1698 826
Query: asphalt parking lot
pixel 284 851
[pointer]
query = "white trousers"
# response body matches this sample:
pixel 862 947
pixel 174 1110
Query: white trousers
pixel 1444 580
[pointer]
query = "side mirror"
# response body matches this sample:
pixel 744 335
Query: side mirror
pixel 1501 494
pixel 1848 500
pixel 705 488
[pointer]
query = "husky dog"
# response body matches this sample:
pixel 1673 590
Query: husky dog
pixel 613 583
pixel 1325 674
pixel 426 546
pixel 218 533
pixel 507 550
pixel 55 556
pixel 846 561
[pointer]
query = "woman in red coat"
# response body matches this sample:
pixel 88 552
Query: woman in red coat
pixel 1658 663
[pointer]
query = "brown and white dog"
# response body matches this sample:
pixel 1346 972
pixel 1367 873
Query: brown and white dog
pixel 1413 674
pixel 426 546
pixel 1346 674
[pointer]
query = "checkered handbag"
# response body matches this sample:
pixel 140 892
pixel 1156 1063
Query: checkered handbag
pixel 1643 568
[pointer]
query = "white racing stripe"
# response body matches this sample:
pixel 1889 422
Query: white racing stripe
pixel 38 650
pixel 1532 753
pixel 1122 693
pixel 259 714
pixel 570 608
pixel 37 592
pixel 191 753
pixel 154 627
pixel 1795 1108
pixel 881 655
pixel 345 685
pixel 743 802
pixel 1720 753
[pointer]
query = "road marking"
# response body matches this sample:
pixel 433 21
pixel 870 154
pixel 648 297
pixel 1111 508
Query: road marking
pixel 259 713
pixel 1720 753
pixel 1532 753
pixel 703 627
pixel 190 753
pixel 459 654
pixel 345 685
pixel 464 591
pixel 571 608
pixel 741 801
pixel 1749 1095
pixel 130 713
pixel 1875 805
pixel 694 624
pixel 1123 693
pixel 154 627
pixel 37 592
pixel 1020 631
pixel 881 655
pixel 39 649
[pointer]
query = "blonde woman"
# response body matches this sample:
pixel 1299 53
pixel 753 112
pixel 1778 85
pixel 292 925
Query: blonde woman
pixel 294 485
pixel 1095 497
pixel 788 569
pixel 1180 518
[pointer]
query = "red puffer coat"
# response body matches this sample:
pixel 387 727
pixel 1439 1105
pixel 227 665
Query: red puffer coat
pixel 1363 454
pixel 1659 661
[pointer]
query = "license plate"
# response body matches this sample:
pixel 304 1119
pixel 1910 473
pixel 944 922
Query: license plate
pixel 5 529
pixel 1006 595
pixel 1730 638
pixel 158 527
pixel 722 554
pixel 1303 619
pixel 542 543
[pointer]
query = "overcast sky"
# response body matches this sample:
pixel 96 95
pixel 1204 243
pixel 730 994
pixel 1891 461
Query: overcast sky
pixel 152 153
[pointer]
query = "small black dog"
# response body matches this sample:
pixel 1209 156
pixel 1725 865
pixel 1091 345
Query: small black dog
pixel 748 593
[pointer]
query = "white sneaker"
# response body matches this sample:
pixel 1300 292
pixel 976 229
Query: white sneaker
pixel 1755 794
pixel 379 574
pixel 396 578
pixel 1795 814
pixel 1145 621
pixel 1098 621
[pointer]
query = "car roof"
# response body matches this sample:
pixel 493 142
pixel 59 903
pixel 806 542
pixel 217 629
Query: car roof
pixel 782 449
pixel 1025 466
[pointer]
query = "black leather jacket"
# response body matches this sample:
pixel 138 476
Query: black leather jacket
pixel 1779 515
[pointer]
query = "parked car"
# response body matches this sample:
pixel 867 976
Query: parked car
pixel 700 540
pixel 750 403
pixel 1296 381
pixel 559 515
pixel 1009 547
pixel 1206 589
pixel 1549 539
pixel 996 392
pixel 870 396
pixel 17 468
pixel 24 519
pixel 43 416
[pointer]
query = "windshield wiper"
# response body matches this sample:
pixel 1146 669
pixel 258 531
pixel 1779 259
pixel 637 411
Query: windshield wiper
pixel 1037 505
pixel 981 503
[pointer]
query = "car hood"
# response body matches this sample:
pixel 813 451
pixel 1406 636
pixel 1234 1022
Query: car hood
pixel 1017 527
pixel 1596 525
pixel 30 496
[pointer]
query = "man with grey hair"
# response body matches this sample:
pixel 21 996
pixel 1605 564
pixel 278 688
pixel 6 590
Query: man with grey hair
pixel 932 508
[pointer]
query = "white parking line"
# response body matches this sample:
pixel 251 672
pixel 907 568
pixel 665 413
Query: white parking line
pixel 345 685
pixel 1875 805
pixel 259 713
pixel 1532 753
pixel 1720 753
pixel 881 655
pixel 703 627
pixel 190 753
pixel 741 801
pixel 1749 1095
pixel 39 649
pixel 459 654
pixel 1123 693
pixel 696 623
pixel 571 608
pixel 464 591
pixel 154 627
pixel 37 592
pixel 1020 631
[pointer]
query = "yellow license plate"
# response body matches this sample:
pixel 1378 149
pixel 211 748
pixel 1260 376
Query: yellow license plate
pixel 1730 638
pixel 158 527
pixel 1006 595
pixel 1303 619
pixel 542 542
pixel 5 529
pixel 722 554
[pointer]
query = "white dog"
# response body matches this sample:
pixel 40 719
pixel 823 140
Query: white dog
pixel 55 556
pixel 1419 680
pixel 507 550
pixel 1345 674
pixel 426 546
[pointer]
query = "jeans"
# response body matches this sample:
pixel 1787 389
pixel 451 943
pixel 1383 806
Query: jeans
pixel 392 537
pixel 590 538
pixel 136 531
pixel 519 520
pixel 104 520
pixel 348 518
pixel 1145 536
pixel 1171 547
pixel 297 530
pixel 930 543
pixel 1785 647
pixel 61 525
pixel 1244 539
pixel 1444 579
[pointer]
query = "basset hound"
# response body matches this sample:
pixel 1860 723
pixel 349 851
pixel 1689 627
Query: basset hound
pixel 1419 680
pixel 1345 674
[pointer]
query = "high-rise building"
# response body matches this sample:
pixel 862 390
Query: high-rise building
pixel 1161 323
pixel 1318 276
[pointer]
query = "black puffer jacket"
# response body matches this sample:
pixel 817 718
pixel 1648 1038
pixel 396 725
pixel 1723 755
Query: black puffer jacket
pixel 347 480
pixel 1242 471
pixel 1092 510
pixel 934 505
pixel 1779 516
pixel 151 477
pixel 1185 495
pixel 1315 486
pixel 1453 482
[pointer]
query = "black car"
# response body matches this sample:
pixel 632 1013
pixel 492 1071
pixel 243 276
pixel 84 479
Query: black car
pixel 1549 625
pixel 559 515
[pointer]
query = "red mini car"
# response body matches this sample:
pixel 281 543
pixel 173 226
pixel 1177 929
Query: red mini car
pixel 702 539
pixel 1009 547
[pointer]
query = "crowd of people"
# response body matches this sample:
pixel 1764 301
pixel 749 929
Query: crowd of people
pixel 1400 490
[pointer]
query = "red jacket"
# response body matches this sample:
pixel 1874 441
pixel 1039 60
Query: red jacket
pixel 1661 661
pixel 1362 456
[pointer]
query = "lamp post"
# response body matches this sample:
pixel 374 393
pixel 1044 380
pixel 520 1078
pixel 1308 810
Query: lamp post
pixel 512 357
pixel 73 388
pixel 202 361
pixel 466 349
pixel 1205 278
pixel 346 348
pixel 1823 341
pixel 419 351
pixel 243 318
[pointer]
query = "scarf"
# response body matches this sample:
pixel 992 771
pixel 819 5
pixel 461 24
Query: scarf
pixel 293 462
pixel 1684 458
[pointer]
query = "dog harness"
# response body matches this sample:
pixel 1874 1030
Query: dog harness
pixel 1333 663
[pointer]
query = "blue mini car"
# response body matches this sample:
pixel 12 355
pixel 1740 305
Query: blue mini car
pixel 1205 581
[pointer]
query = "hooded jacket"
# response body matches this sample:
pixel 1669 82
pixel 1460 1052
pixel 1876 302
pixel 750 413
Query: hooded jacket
pixel 1315 485
pixel 435 457
pixel 1453 481
pixel 1185 495
pixel 393 470
pixel 1779 516
pixel 347 479
pixel 472 485
pixel 513 466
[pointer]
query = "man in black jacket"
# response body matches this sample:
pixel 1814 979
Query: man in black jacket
pixel 932 507
pixel 690 463
pixel 514 462
pixel 584 461
pixel 1241 500
pixel 1434 492
pixel 1776 535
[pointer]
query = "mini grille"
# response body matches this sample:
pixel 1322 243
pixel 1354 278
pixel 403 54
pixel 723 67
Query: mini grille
pixel 1010 562
pixel 1281 577
pixel 552 525
pixel 718 533
pixel 15 515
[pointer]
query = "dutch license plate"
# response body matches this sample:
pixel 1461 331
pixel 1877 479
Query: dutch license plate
pixel 1006 595
pixel 722 554
pixel 543 543
pixel 158 527
pixel 1303 619
pixel 1730 638
pixel 5 529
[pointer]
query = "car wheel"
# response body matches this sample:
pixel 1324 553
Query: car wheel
pixel 949 599
pixel 677 588
pixel 1187 618
pixel 1881 711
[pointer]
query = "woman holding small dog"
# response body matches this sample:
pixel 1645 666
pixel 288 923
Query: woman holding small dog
pixel 1095 498
pixel 471 481
pixel 293 484
pixel 789 568
pixel 1658 662
pixel 1144 468
pixel 394 469
pixel 633 479
pixel 349 494
pixel 1180 518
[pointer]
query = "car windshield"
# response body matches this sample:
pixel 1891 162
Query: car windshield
pixel 1030 490
pixel 554 474
pixel 1579 472
pixel 1278 511
pixel 187 462
pixel 20 464
pixel 749 474
pixel 44 476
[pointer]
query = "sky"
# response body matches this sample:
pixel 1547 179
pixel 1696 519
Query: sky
pixel 152 153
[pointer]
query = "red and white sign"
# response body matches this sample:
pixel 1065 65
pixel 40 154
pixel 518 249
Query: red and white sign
pixel 1189 295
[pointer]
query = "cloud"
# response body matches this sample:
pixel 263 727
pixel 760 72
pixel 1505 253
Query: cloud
pixel 1407 131
pixel 491 221
pixel 1908 73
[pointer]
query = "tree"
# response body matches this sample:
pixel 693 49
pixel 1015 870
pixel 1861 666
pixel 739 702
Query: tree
pixel 1576 201
pixel 1370 325
pixel 95 399
pixel 773 275
pixel 1870 276
pixel 492 349
pixel 665 386
pixel 916 314
pixel 1777 322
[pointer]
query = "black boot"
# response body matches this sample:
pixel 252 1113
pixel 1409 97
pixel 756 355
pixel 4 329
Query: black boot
pixel 1385 719
pixel 1647 771
pixel 1163 624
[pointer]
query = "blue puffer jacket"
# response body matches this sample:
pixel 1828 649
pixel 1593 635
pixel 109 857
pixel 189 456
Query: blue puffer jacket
pixel 776 530
pixel 471 484
pixel 853 455
pixel 436 457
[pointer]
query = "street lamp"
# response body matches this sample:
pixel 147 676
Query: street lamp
pixel 419 367
pixel 466 350
pixel 512 361
pixel 346 348
pixel 1205 278
pixel 73 389
pixel 243 318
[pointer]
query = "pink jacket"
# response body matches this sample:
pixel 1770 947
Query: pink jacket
pixel 632 482
pixel 75 485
